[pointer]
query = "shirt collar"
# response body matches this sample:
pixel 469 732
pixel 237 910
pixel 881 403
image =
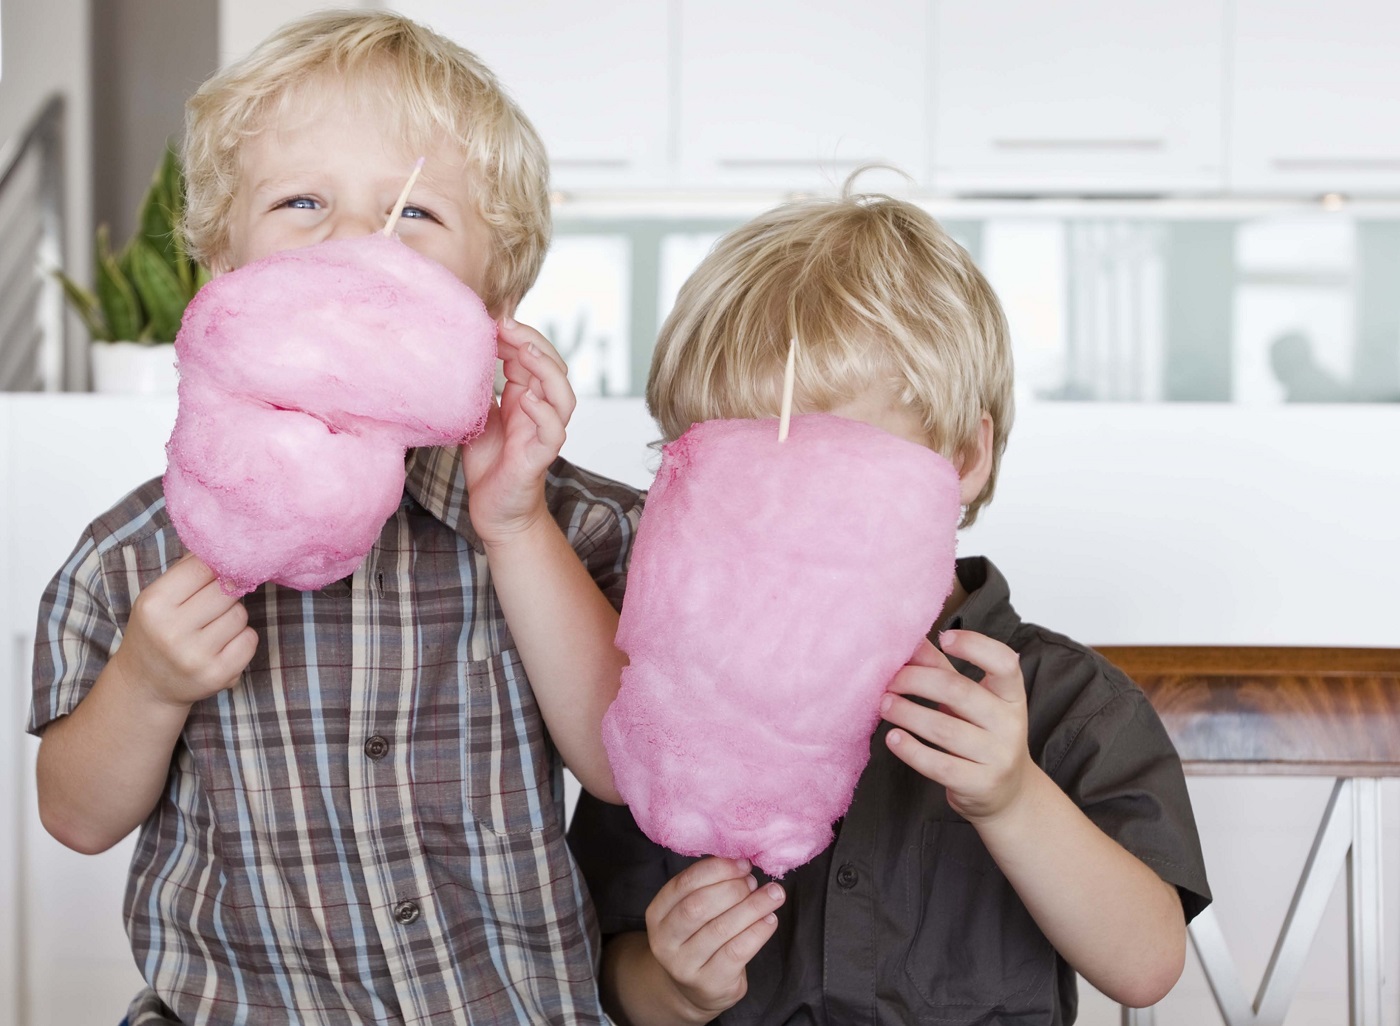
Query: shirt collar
pixel 987 609
pixel 436 481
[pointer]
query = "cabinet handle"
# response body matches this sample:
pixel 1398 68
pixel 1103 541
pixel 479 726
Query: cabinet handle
pixel 592 163
pixel 23 666
pixel 1081 145
pixel 17 919
pixel 788 163
pixel 1304 164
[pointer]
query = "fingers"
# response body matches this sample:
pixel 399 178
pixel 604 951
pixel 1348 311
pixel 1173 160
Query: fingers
pixel 736 937
pixel 221 630
pixel 709 921
pixel 205 606
pixel 528 360
pixel 955 735
pixel 951 771
pixel 183 580
pixel 186 638
pixel 235 656
pixel 970 736
pixel 930 675
pixel 218 624
pixel 944 686
pixel 1000 664
pixel 513 335
pixel 187 596
pixel 927 654
pixel 968 719
pixel 696 877
pixel 537 386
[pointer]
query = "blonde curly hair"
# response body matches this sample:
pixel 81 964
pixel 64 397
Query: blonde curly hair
pixel 443 90
pixel 882 301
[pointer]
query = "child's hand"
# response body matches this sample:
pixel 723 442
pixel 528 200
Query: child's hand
pixel 982 756
pixel 186 639
pixel 706 924
pixel 505 465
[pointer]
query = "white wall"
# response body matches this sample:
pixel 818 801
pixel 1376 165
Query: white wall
pixel 1165 523
pixel 243 24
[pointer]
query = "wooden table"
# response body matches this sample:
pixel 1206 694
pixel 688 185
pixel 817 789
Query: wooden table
pixel 1288 711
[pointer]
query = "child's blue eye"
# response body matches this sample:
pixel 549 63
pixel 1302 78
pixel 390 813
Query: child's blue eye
pixel 300 203
pixel 418 214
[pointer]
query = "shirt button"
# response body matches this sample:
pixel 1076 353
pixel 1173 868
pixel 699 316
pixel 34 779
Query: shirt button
pixel 376 747
pixel 407 912
pixel 847 876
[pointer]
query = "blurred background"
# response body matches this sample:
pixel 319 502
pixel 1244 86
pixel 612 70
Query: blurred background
pixel 1192 201
pixel 1189 208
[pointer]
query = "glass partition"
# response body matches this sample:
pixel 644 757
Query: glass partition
pixel 1113 302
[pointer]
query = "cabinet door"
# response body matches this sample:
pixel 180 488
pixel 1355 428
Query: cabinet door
pixel 13 705
pixel 1088 96
pixel 593 78
pixel 67 458
pixel 1316 91
pixel 797 93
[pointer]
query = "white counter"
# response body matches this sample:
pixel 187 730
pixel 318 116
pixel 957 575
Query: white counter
pixel 1149 524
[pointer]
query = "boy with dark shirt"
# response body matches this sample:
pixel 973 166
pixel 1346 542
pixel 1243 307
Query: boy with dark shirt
pixel 1023 815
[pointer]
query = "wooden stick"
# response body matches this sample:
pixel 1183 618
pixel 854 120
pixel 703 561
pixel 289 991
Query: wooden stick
pixel 789 379
pixel 403 197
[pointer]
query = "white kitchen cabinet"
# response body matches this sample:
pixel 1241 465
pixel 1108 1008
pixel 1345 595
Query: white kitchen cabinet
pixel 12 803
pixel 1176 97
pixel 783 94
pixel 796 94
pixel 593 79
pixel 1094 96
pixel 1315 97
pixel 63 460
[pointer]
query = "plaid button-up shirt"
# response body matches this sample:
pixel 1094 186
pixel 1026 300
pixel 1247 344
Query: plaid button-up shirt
pixel 368 827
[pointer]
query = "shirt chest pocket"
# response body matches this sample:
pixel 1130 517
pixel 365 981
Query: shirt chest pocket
pixel 976 954
pixel 482 758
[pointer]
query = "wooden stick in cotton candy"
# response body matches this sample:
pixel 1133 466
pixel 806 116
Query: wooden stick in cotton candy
pixel 397 212
pixel 789 381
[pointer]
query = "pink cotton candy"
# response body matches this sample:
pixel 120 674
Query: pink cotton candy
pixel 304 378
pixel 774 591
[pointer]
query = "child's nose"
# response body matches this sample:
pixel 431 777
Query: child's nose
pixel 351 224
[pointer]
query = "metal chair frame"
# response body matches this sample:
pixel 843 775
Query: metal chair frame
pixel 1300 712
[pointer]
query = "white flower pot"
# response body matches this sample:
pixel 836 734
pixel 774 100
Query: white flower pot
pixel 134 367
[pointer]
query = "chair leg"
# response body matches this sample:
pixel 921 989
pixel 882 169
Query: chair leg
pixel 1138 1017
pixel 1364 903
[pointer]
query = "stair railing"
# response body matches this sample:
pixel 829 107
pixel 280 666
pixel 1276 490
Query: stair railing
pixel 32 317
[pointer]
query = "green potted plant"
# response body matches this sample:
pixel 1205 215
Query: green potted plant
pixel 139 294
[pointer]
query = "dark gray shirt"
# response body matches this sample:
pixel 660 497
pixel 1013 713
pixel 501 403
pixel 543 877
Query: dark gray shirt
pixel 906 917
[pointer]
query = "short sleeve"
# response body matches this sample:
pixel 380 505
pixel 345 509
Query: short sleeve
pixel 75 636
pixel 623 868
pixel 600 519
pixel 1121 768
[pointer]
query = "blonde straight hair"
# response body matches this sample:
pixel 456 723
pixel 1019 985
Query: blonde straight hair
pixel 442 90
pixel 883 303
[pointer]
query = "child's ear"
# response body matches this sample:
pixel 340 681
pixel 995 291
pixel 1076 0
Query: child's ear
pixel 977 467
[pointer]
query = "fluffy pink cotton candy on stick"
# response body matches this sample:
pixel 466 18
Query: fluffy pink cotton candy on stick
pixel 774 591
pixel 304 377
